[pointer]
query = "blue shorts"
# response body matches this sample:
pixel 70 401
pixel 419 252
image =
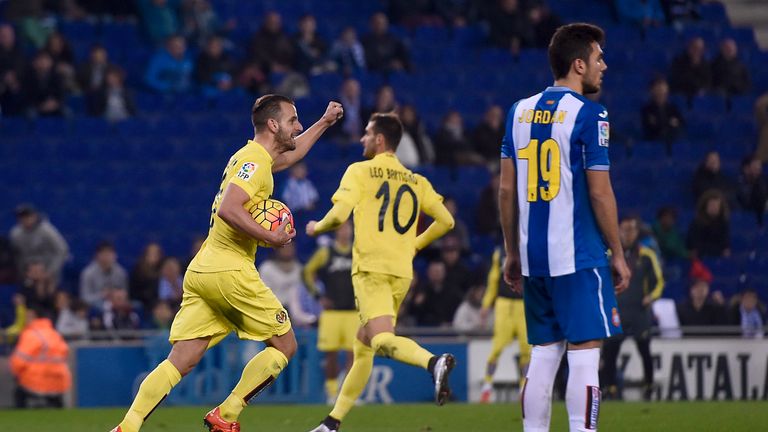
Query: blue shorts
pixel 577 307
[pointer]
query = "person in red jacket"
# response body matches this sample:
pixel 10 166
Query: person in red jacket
pixel 39 363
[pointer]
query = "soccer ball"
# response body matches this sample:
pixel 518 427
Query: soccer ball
pixel 270 213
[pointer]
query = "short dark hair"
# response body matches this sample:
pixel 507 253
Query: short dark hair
pixel 388 125
pixel 265 108
pixel 105 245
pixel 571 42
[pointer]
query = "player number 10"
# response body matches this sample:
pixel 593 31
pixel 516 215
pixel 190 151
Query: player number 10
pixel 549 166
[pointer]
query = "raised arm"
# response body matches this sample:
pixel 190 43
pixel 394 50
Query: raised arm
pixel 306 140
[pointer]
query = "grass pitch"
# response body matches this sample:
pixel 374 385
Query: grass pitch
pixel 614 416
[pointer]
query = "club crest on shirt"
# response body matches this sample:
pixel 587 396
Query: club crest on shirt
pixel 281 317
pixel 603 132
pixel 247 170
pixel 615 317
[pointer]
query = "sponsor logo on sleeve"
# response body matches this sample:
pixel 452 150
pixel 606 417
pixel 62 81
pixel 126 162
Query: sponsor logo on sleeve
pixel 603 133
pixel 615 319
pixel 246 171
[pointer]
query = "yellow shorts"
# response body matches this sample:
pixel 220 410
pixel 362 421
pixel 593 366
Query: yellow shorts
pixel 508 325
pixel 214 304
pixel 378 294
pixel 337 330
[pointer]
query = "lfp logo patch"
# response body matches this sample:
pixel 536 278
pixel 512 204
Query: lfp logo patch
pixel 247 170
pixel 603 133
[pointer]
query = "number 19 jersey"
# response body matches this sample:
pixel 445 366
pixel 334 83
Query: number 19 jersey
pixel 553 138
pixel 387 199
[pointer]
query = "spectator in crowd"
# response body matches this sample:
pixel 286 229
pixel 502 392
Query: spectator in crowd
pixel 170 285
pixel 690 74
pixel 35 239
pixel 11 56
pixel 38 288
pixel 384 52
pixel 118 312
pixel 311 49
pixel 544 22
pixel 102 273
pixel 12 97
pixel 407 152
pixel 162 315
pixel 510 28
pixel 415 129
pixel 71 316
pixel 44 88
pixel 458 275
pixel 92 74
pixel 709 233
pixel 642 13
pixel 460 229
pixel 200 22
pixel 645 286
pixel 214 69
pixel 40 363
pixel 761 119
pixel 680 11
pixel 749 313
pixel 662 120
pixel 300 194
pixel 253 78
pixel 145 275
pixel 113 100
pixel 699 309
pixel 452 145
pixel 435 300
pixel 467 317
pixel 385 102
pixel 282 272
pixel 729 74
pixel 63 60
pixel 752 188
pixel 487 136
pixel 709 176
pixel 348 53
pixel 270 46
pixel 350 128
pixel 170 69
pixel 668 236
pixel 159 18
pixel 487 210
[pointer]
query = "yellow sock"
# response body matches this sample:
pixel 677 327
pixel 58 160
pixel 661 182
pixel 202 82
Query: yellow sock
pixel 332 387
pixel 257 375
pixel 152 391
pixel 355 381
pixel 401 349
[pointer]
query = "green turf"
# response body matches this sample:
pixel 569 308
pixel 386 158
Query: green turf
pixel 624 417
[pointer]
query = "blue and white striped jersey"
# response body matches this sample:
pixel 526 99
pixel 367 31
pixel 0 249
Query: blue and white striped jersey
pixel 553 138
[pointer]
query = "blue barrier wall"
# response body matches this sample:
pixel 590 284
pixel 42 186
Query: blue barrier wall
pixel 121 369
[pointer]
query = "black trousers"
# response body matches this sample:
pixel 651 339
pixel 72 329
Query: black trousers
pixel 611 355
pixel 26 399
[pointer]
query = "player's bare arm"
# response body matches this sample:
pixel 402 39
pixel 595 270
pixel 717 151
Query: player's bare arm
pixel 234 214
pixel 336 216
pixel 604 205
pixel 309 137
pixel 508 215
pixel 442 223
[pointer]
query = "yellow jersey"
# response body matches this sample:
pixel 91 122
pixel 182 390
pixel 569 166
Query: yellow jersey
pixel 387 199
pixel 228 248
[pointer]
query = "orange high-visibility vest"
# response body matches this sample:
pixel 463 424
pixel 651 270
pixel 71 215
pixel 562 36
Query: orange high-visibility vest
pixel 39 361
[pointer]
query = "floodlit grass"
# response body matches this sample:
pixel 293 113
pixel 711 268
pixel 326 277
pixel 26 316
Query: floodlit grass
pixel 614 416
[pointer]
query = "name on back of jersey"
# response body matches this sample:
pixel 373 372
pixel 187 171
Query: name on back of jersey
pixel 542 116
pixel 392 174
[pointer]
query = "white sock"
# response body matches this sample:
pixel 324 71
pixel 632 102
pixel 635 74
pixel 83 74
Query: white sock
pixel 582 397
pixel 536 397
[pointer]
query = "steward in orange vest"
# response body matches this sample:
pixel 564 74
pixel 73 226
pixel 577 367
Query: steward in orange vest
pixel 39 363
